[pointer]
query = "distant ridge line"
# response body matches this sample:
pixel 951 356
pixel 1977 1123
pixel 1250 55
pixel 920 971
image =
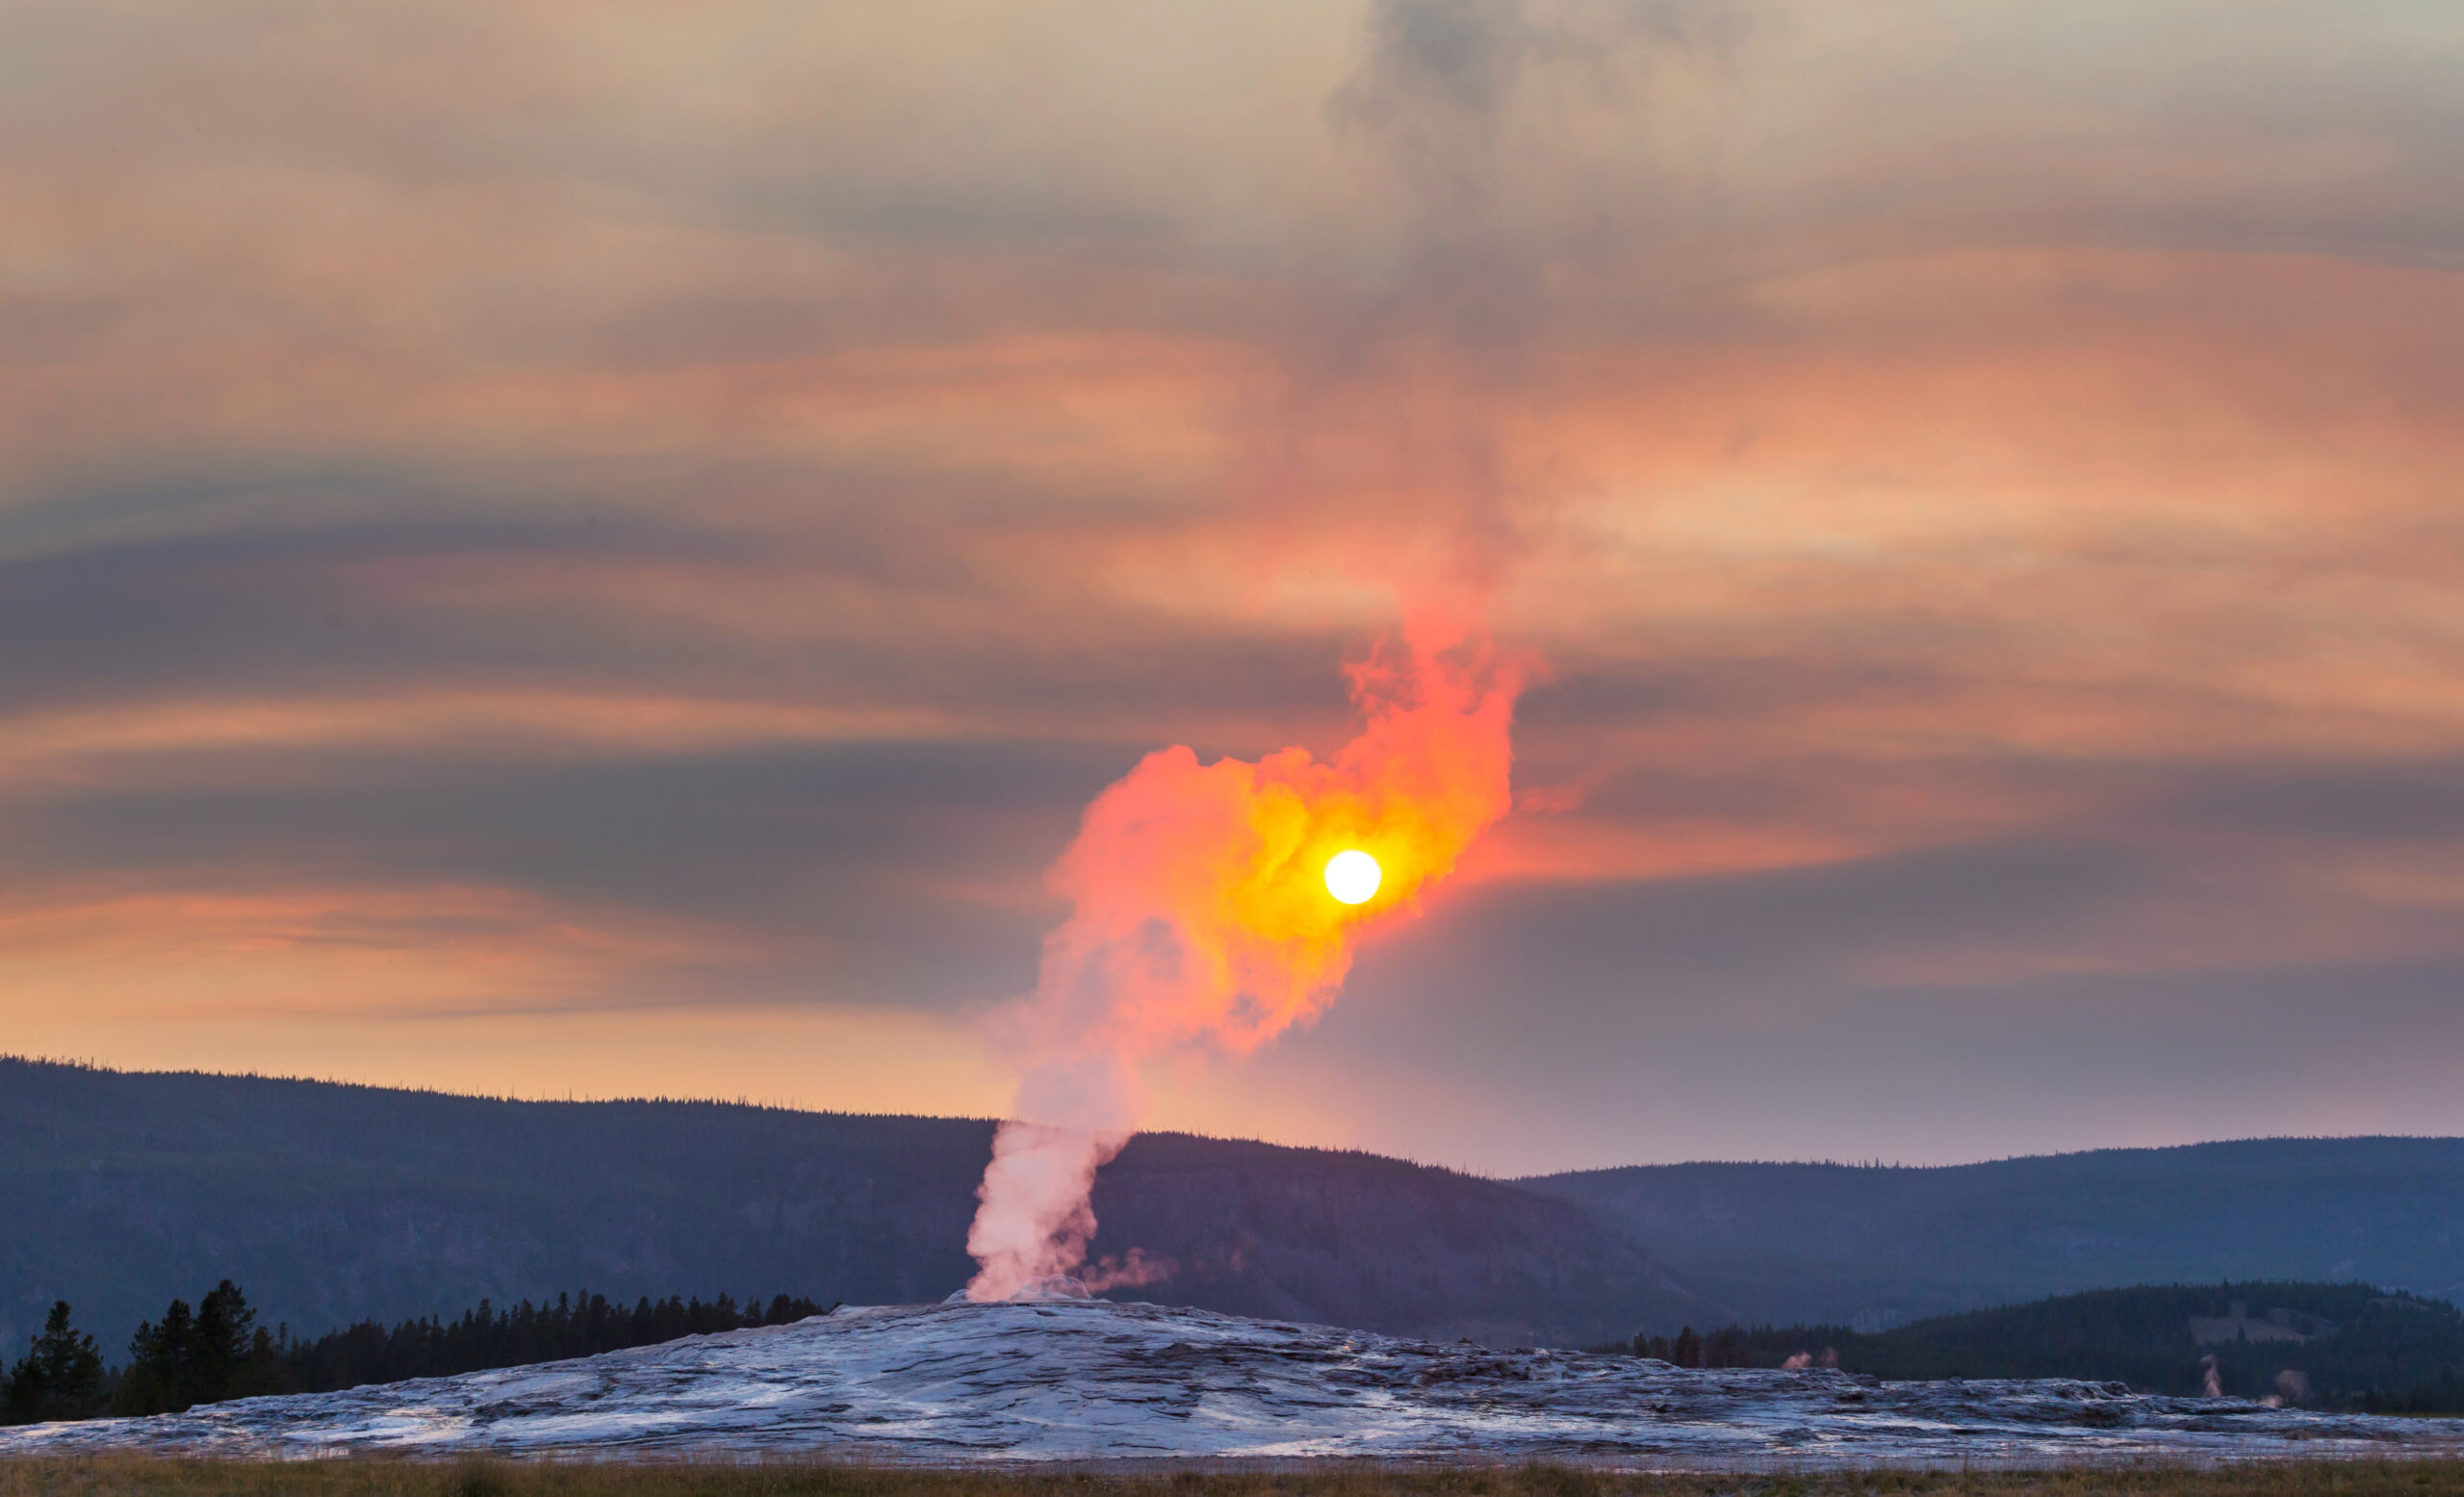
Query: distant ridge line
pixel 2102 1152
pixel 787 1109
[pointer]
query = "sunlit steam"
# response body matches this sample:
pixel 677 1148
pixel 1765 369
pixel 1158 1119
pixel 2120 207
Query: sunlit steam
pixel 1214 905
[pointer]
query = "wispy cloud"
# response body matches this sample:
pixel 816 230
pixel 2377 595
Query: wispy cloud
pixel 530 512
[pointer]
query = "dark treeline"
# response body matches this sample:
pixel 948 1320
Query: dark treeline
pixel 1725 1347
pixel 574 1325
pixel 216 1351
pixel 2338 1346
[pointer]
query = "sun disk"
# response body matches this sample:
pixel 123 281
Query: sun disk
pixel 1352 876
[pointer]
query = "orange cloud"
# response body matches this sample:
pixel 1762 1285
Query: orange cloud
pixel 711 492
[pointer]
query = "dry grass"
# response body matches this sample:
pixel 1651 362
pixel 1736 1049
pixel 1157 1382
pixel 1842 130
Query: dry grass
pixel 360 1477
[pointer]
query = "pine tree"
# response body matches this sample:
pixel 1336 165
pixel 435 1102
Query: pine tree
pixel 61 1375
pixel 1688 1348
pixel 225 1339
pixel 162 1363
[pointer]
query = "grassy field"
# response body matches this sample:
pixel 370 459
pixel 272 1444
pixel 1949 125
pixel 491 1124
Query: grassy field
pixel 139 1476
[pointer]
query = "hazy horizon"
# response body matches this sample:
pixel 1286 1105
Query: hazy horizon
pixel 1254 1138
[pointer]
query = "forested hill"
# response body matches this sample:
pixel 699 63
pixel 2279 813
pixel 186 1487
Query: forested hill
pixel 2343 1346
pixel 336 1204
pixel 1801 1242
pixel 332 1204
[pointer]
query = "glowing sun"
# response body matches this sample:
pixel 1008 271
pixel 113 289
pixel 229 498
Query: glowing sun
pixel 1352 876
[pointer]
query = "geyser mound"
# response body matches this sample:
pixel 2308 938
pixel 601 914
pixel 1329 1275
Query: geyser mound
pixel 1066 1379
pixel 1051 1288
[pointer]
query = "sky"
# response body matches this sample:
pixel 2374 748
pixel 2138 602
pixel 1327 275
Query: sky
pixel 593 551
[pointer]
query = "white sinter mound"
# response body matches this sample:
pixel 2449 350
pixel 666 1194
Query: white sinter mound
pixel 1067 1379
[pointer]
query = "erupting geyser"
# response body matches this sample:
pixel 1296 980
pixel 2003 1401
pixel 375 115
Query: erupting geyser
pixel 1214 905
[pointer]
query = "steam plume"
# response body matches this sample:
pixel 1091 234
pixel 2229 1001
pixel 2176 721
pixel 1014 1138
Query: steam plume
pixel 1199 918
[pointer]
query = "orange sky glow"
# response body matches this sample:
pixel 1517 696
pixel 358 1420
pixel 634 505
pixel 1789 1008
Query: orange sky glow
pixel 606 552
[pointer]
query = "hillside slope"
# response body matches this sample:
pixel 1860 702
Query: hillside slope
pixel 1787 1243
pixel 328 1203
pixel 1359 1240
pixel 2342 1346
